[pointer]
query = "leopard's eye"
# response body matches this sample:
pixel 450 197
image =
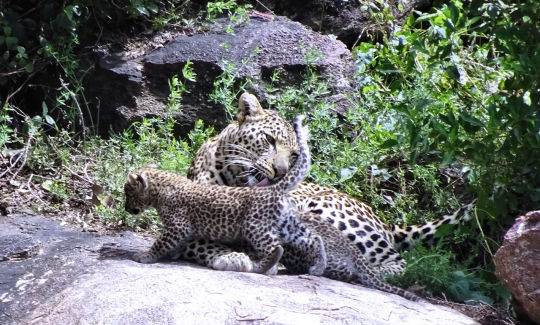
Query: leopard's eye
pixel 294 156
pixel 270 139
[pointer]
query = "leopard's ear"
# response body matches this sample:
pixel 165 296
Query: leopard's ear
pixel 249 108
pixel 140 179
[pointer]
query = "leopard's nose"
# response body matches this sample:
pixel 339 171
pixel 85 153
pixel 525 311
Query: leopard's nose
pixel 280 171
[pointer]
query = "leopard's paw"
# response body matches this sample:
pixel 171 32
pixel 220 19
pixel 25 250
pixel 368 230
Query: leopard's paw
pixel 144 257
pixel 272 271
pixel 237 262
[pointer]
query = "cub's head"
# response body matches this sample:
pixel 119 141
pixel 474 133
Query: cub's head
pixel 136 191
pixel 260 147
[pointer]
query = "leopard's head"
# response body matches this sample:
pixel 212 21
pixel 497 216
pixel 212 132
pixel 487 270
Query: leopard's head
pixel 260 147
pixel 136 192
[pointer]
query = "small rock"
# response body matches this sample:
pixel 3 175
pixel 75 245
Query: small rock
pixel 18 247
pixel 517 263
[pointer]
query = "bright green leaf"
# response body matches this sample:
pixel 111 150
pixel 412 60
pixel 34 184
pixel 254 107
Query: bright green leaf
pixel 347 173
pixel 527 98
pixel 11 41
pixel 49 120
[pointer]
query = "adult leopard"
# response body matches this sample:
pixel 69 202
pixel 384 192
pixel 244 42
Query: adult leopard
pixel 258 149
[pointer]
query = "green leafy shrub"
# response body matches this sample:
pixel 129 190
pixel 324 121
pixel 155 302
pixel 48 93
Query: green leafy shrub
pixel 150 141
pixel 452 89
pixel 438 270
pixel 6 131
pixel 237 14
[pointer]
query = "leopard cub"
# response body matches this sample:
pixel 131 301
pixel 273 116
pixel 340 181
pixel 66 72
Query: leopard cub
pixel 263 217
pixel 344 261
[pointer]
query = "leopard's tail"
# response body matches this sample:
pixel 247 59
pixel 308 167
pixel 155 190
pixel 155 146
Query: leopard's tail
pixel 407 237
pixel 301 167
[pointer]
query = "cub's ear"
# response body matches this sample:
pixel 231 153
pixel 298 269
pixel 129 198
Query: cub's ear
pixel 249 108
pixel 140 179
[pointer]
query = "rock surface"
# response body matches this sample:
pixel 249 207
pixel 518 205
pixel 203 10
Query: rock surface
pixel 73 280
pixel 517 263
pixel 129 85
pixel 348 20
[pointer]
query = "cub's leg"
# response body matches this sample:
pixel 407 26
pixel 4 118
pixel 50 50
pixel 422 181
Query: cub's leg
pixel 266 245
pixel 302 239
pixel 171 240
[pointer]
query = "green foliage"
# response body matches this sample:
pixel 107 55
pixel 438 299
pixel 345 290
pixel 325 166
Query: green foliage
pixel 457 88
pixel 237 14
pixel 458 92
pixel 142 7
pixel 40 39
pixel 226 85
pixel 150 141
pixel 6 132
pixel 57 188
pixel 224 90
pixel 438 270
pixel 178 88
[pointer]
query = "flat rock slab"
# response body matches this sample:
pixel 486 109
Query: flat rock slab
pixel 124 292
pixel 68 282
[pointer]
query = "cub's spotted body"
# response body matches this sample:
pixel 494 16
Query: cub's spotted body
pixel 261 216
pixel 260 147
pixel 344 261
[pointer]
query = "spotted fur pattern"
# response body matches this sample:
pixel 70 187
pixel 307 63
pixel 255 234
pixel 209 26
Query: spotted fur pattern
pixel 261 216
pixel 344 261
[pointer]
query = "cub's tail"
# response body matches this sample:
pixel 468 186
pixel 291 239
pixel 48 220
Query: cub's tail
pixel 301 167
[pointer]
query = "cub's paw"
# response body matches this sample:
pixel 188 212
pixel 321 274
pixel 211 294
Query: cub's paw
pixel 269 265
pixel 145 258
pixel 237 262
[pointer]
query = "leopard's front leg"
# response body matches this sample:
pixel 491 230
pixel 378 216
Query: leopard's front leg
pixel 171 240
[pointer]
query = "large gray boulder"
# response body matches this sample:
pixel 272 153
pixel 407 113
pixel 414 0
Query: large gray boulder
pixel 128 85
pixel 74 280
pixel 124 292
